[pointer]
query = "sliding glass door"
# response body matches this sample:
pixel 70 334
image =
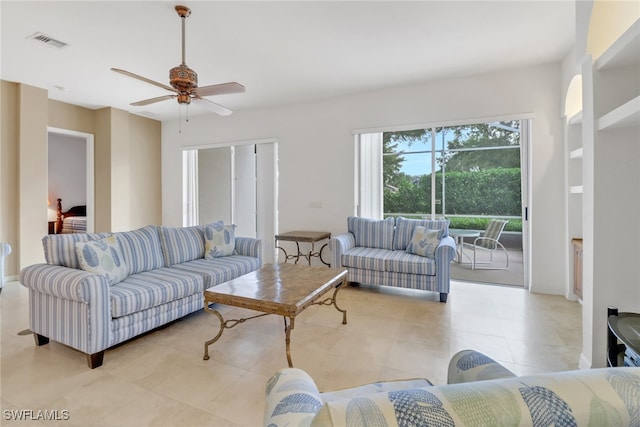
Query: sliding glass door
pixel 468 173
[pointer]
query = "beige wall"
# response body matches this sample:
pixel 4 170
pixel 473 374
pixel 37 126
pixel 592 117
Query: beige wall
pixel 127 168
pixel 609 20
pixel 145 173
pixel 9 150
pixel 72 117
pixel 102 170
pixel 32 173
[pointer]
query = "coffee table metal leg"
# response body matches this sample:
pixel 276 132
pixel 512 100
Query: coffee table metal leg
pixel 335 304
pixel 287 340
pixel 333 301
pixel 214 339
pixel 228 324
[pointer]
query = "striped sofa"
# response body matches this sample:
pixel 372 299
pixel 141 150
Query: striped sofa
pixel 375 252
pixel 480 392
pixel 166 274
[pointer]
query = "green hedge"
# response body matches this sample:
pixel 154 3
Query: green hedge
pixel 489 193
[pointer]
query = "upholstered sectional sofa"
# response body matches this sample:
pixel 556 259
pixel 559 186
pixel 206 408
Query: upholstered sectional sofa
pixel 92 293
pixel 394 252
pixel 480 392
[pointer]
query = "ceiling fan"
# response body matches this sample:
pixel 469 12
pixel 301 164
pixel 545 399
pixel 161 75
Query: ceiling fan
pixel 184 82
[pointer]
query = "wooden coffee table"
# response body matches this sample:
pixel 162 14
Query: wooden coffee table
pixel 281 289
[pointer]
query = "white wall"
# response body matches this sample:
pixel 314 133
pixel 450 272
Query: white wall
pixel 214 185
pixel 316 149
pixel 67 171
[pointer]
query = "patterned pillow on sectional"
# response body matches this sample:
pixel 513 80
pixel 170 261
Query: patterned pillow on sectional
pixel 141 249
pixel 103 257
pixel 219 240
pixel 405 226
pixel 424 242
pixel 181 244
pixel 371 233
pixel 60 249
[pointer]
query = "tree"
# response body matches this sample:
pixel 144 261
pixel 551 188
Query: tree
pixel 466 172
pixel 391 164
pixel 484 135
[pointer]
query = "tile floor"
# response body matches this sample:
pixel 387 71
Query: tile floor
pixel 160 378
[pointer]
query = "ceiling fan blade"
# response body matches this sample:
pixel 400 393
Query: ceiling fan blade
pixel 212 106
pixel 152 100
pixel 220 89
pixel 144 79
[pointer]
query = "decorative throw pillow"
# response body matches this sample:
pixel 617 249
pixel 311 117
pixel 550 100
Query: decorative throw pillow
pixel 424 242
pixel 103 257
pixel 219 240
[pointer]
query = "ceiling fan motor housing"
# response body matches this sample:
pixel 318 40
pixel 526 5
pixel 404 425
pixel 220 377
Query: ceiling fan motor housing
pixel 184 80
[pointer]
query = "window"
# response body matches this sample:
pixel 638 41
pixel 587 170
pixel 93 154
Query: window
pixel 468 173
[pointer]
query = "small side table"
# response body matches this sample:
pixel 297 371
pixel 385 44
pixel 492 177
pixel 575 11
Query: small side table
pixel 304 237
pixel 459 235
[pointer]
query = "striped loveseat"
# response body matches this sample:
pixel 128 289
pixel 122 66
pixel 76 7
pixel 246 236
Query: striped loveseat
pixel 163 273
pixel 395 252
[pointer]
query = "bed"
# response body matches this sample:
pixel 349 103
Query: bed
pixel 72 221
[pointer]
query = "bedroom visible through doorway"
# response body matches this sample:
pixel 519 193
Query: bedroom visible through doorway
pixel 70 173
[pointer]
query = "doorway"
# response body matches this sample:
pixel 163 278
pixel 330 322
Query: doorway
pixel 71 172
pixel 236 183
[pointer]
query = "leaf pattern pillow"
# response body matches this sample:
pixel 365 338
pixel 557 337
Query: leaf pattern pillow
pixel 103 257
pixel 219 240
pixel 424 242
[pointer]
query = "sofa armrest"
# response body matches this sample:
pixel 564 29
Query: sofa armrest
pixel 64 282
pixel 446 250
pixel 470 365
pixel 70 306
pixel 340 244
pixel 292 398
pixel 249 246
pixel 445 253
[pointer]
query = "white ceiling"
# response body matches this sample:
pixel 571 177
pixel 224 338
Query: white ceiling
pixel 283 52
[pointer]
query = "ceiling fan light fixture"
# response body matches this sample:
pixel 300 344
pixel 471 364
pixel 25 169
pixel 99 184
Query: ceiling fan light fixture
pixel 184 98
pixel 183 78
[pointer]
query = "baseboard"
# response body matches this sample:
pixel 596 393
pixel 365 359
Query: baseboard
pixel 8 279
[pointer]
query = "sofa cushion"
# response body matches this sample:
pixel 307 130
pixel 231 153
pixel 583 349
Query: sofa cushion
pixel 152 288
pixel 219 270
pixel 376 387
pixel 371 233
pixel 366 258
pixel 60 249
pixel 424 242
pixel 404 262
pixel 141 249
pixel 181 244
pixel 103 257
pixel 219 240
pixel 405 227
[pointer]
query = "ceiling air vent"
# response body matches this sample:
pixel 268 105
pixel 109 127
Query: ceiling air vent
pixel 46 40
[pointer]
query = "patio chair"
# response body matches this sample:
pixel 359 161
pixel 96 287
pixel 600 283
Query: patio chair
pixel 488 241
